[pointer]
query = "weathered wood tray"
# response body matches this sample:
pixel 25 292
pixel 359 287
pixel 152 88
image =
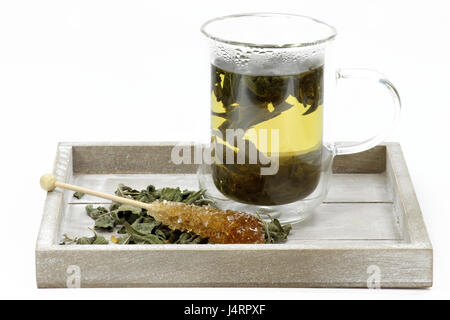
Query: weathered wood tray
pixel 369 231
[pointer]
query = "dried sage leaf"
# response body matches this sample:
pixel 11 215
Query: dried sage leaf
pixel 78 195
pixel 100 240
pixel 106 222
pixel 95 213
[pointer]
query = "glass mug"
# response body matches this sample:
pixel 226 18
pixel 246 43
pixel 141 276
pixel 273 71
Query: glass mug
pixel 271 82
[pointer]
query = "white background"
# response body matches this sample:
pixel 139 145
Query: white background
pixel 103 71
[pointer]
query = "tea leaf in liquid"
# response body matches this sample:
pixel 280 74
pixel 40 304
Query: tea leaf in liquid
pixel 292 104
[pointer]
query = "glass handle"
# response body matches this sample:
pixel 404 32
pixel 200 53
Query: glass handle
pixel 376 77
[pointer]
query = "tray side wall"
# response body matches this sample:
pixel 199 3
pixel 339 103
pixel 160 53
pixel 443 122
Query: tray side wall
pixel 238 268
pixel 55 200
pixel 405 198
pixel 156 158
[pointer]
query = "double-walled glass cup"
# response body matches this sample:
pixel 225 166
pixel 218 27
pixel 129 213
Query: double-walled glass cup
pixel 271 83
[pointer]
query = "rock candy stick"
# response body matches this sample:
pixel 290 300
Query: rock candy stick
pixel 209 222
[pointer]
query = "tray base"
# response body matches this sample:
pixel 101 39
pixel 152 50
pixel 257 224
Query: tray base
pixel 356 208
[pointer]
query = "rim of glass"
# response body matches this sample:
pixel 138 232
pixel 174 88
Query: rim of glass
pixel 333 31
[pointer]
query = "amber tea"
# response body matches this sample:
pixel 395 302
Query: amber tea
pixel 256 104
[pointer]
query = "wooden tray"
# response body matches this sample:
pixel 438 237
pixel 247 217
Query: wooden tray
pixel 369 231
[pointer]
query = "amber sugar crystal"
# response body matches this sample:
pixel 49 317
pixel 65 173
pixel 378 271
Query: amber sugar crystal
pixel 220 226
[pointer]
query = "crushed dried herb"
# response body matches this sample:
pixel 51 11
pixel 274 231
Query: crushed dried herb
pixel 96 239
pixel 132 225
pixel 78 195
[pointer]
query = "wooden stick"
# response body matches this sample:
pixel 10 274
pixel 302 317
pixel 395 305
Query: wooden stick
pixel 49 183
